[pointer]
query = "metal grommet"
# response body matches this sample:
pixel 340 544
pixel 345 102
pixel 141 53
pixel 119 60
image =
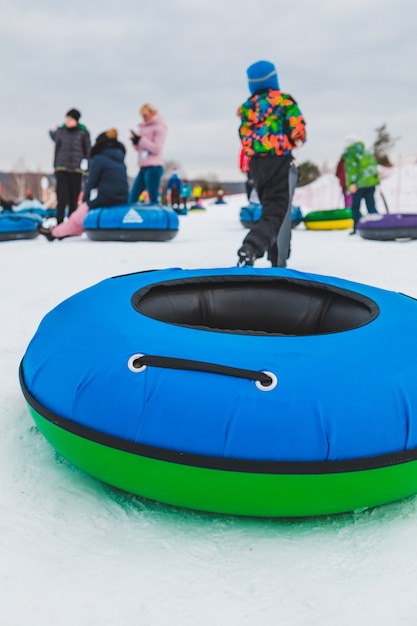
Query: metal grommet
pixel 133 365
pixel 267 386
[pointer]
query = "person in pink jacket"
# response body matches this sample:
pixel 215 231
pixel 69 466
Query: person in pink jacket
pixel 149 143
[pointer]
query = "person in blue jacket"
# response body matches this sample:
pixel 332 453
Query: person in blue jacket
pixel 106 185
pixel 186 193
pixel 174 189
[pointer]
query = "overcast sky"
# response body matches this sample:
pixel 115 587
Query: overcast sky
pixel 350 64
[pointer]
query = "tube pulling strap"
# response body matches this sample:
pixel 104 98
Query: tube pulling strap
pixel 200 366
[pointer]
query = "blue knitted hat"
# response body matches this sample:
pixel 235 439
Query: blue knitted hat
pixel 262 75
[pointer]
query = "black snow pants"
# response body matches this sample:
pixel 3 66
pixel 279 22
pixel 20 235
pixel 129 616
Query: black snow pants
pixel 270 177
pixel 68 187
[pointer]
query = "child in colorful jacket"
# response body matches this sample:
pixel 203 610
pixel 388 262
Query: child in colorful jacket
pixel 361 170
pixel 271 126
pixel 244 161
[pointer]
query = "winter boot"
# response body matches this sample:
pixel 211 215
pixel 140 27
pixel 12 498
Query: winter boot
pixel 247 255
pixel 46 232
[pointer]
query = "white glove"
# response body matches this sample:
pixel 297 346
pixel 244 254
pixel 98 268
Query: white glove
pixel 84 165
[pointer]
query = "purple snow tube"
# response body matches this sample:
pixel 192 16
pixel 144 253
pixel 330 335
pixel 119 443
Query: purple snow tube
pixel 388 227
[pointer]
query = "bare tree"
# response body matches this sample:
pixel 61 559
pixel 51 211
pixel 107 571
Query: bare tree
pixel 19 178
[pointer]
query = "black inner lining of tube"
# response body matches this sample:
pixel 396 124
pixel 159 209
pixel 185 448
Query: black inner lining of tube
pixel 256 305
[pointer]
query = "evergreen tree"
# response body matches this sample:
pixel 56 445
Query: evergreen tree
pixel 308 172
pixel 383 143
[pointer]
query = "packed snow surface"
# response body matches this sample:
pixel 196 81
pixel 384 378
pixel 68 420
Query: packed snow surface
pixel 74 551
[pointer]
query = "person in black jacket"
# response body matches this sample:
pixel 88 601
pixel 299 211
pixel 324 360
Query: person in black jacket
pixel 106 185
pixel 72 152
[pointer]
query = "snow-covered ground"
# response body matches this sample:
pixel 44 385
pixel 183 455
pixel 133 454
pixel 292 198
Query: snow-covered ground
pixel 76 552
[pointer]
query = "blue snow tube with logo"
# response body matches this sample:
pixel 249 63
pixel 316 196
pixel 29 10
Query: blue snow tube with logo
pixel 132 222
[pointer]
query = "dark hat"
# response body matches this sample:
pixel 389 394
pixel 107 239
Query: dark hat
pixel 262 75
pixel 74 114
pixel 108 134
pixel 106 140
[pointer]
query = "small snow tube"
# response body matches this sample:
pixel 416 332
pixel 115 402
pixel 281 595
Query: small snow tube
pixel 132 222
pixel 215 389
pixel 198 208
pixel 296 216
pixel 388 227
pixel 330 219
pixel 18 226
pixel 251 214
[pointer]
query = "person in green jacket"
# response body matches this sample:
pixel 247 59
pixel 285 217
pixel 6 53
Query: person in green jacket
pixel 362 177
